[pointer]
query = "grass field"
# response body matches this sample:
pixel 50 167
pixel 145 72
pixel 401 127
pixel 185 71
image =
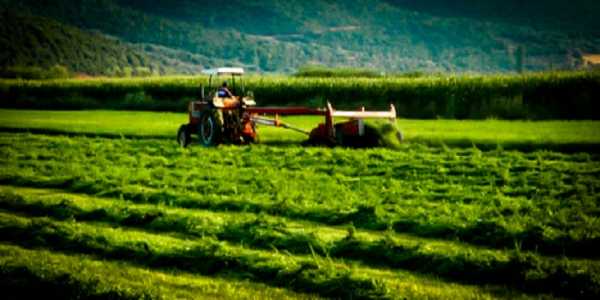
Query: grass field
pixel 87 213
pixel 487 134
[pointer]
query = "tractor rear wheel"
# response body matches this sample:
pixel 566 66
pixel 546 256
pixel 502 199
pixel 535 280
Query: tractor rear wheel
pixel 252 140
pixel 210 129
pixel 184 136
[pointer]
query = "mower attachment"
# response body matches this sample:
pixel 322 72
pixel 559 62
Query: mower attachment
pixel 351 132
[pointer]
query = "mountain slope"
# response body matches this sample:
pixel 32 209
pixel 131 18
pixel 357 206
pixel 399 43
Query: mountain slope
pixel 574 16
pixel 280 36
pixel 36 41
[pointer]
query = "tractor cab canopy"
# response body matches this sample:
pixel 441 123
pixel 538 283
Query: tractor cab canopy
pixel 225 71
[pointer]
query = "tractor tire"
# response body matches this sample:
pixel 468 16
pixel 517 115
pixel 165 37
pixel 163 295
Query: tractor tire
pixel 184 136
pixel 255 140
pixel 210 129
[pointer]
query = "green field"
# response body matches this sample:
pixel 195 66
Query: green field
pixel 488 134
pixel 105 204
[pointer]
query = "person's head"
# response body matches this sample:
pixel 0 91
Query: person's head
pixel 224 84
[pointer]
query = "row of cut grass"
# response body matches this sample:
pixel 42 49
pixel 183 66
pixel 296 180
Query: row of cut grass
pixel 495 198
pixel 39 274
pixel 326 277
pixel 577 241
pixel 446 259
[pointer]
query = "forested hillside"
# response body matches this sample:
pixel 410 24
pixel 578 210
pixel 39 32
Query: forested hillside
pixel 574 16
pixel 391 36
pixel 29 41
pixel 33 41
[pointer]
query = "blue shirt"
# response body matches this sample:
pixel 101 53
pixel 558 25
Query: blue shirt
pixel 222 93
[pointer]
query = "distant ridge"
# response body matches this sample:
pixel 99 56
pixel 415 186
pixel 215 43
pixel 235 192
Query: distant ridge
pixel 281 36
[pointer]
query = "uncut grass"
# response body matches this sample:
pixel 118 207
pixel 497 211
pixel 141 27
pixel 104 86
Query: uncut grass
pixel 36 274
pixel 208 256
pixel 542 201
pixel 572 136
pixel 446 259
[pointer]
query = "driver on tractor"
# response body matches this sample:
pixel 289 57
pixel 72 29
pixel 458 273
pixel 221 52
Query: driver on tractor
pixel 224 92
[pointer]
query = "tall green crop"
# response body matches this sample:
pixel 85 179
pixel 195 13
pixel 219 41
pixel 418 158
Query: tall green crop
pixel 567 95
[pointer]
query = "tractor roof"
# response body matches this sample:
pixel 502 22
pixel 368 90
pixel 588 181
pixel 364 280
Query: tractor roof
pixel 224 71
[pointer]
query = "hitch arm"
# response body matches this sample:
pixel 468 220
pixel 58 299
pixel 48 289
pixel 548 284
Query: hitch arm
pixel 276 123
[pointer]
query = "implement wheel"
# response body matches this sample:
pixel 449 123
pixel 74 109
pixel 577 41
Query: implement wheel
pixel 184 136
pixel 210 129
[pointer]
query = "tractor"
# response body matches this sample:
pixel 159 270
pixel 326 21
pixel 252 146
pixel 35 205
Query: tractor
pixel 233 117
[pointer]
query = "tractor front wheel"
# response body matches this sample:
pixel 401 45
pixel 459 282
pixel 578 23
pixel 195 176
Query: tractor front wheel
pixel 183 135
pixel 210 129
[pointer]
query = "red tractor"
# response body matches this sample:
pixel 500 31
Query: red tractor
pixel 222 117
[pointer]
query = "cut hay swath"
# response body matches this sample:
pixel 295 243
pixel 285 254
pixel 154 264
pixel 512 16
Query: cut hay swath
pixel 387 134
pixel 420 223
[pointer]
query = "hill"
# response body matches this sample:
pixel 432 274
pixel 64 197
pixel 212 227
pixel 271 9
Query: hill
pixel 575 16
pixel 41 42
pixel 392 36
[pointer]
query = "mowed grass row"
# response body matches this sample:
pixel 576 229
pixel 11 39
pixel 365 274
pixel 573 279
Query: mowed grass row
pixel 543 201
pixel 573 136
pixel 450 260
pixel 39 274
pixel 323 276
pixel 535 213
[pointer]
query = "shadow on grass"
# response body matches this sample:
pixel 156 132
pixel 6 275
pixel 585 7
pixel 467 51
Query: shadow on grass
pixel 23 283
pixel 524 146
pixel 108 135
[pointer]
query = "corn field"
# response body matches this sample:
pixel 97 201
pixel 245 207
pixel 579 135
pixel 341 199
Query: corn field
pixel 557 95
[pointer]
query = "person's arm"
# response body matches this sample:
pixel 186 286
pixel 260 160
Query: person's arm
pixel 229 93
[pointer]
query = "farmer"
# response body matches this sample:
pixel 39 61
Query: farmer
pixel 224 92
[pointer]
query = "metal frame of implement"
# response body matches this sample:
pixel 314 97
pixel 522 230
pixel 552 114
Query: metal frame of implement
pixel 328 112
